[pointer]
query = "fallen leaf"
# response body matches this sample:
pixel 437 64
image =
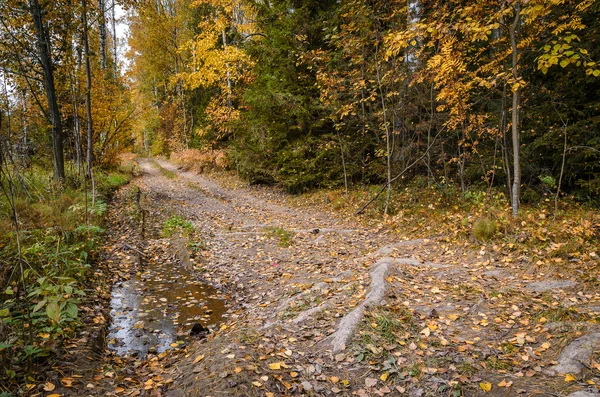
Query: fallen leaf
pixel 370 382
pixel 384 376
pixel 485 386
pixel 275 365
pixel 49 386
pixel 198 358
pixel 570 378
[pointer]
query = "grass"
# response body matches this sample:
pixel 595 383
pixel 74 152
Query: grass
pixel 163 171
pixel 285 236
pixel 177 225
pixel 484 229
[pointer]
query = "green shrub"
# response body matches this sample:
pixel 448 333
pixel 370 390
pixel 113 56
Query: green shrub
pixel 484 229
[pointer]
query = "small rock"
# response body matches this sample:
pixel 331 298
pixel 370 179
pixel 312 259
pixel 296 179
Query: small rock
pixel 549 285
pixel 582 393
pixel 199 330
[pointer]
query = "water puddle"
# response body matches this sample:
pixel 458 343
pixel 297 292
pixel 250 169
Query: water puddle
pixel 159 306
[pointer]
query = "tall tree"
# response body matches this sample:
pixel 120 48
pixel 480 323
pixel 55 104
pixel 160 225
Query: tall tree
pixel 45 59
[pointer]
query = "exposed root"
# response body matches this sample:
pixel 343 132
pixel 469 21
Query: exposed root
pixel 339 339
pixel 576 355
pixel 317 287
pixel 305 315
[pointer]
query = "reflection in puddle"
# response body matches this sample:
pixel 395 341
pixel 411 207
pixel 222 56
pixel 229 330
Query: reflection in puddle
pixel 153 308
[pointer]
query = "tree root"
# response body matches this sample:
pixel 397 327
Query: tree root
pixel 339 339
pixel 305 315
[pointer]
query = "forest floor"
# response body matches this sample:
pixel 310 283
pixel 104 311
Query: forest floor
pixel 322 306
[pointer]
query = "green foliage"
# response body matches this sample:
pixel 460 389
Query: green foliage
pixel 55 243
pixel 285 236
pixel 484 229
pixel 177 225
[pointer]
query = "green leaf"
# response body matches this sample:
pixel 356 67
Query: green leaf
pixel 564 63
pixel 9 291
pixel 53 311
pixel 39 305
pixel 71 310
pixel 4 312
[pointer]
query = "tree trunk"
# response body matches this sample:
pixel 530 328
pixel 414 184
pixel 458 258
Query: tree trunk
pixel 516 99
pixel 88 100
pixel 229 88
pixel 114 33
pixel 43 43
pixel 387 134
pixel 102 31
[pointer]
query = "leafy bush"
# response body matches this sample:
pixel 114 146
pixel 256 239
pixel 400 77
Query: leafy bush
pixel 200 161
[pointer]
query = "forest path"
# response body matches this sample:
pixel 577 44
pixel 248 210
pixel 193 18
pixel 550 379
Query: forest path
pixel 346 310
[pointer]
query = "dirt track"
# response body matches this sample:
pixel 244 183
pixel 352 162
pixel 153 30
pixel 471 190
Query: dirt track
pixel 432 319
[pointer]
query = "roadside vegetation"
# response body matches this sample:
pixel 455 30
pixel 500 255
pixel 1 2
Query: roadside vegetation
pixel 47 253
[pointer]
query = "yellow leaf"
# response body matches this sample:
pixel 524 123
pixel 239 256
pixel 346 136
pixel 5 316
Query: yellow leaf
pixel 54 395
pixel 257 383
pixel 275 365
pixel 237 370
pixel 570 378
pixel 384 376
pixel 485 386
pixel 198 358
pixel 293 374
pixel 49 386
pixel 334 379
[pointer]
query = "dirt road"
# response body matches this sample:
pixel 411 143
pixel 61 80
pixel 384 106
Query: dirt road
pixel 321 306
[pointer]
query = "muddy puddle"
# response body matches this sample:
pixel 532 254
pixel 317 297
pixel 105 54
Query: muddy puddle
pixel 157 308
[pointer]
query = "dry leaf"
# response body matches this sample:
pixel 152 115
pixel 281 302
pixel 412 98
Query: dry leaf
pixel 570 378
pixel 485 386
pixel 198 358
pixel 49 386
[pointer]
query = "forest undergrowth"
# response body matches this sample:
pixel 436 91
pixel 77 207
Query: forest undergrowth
pixel 46 263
